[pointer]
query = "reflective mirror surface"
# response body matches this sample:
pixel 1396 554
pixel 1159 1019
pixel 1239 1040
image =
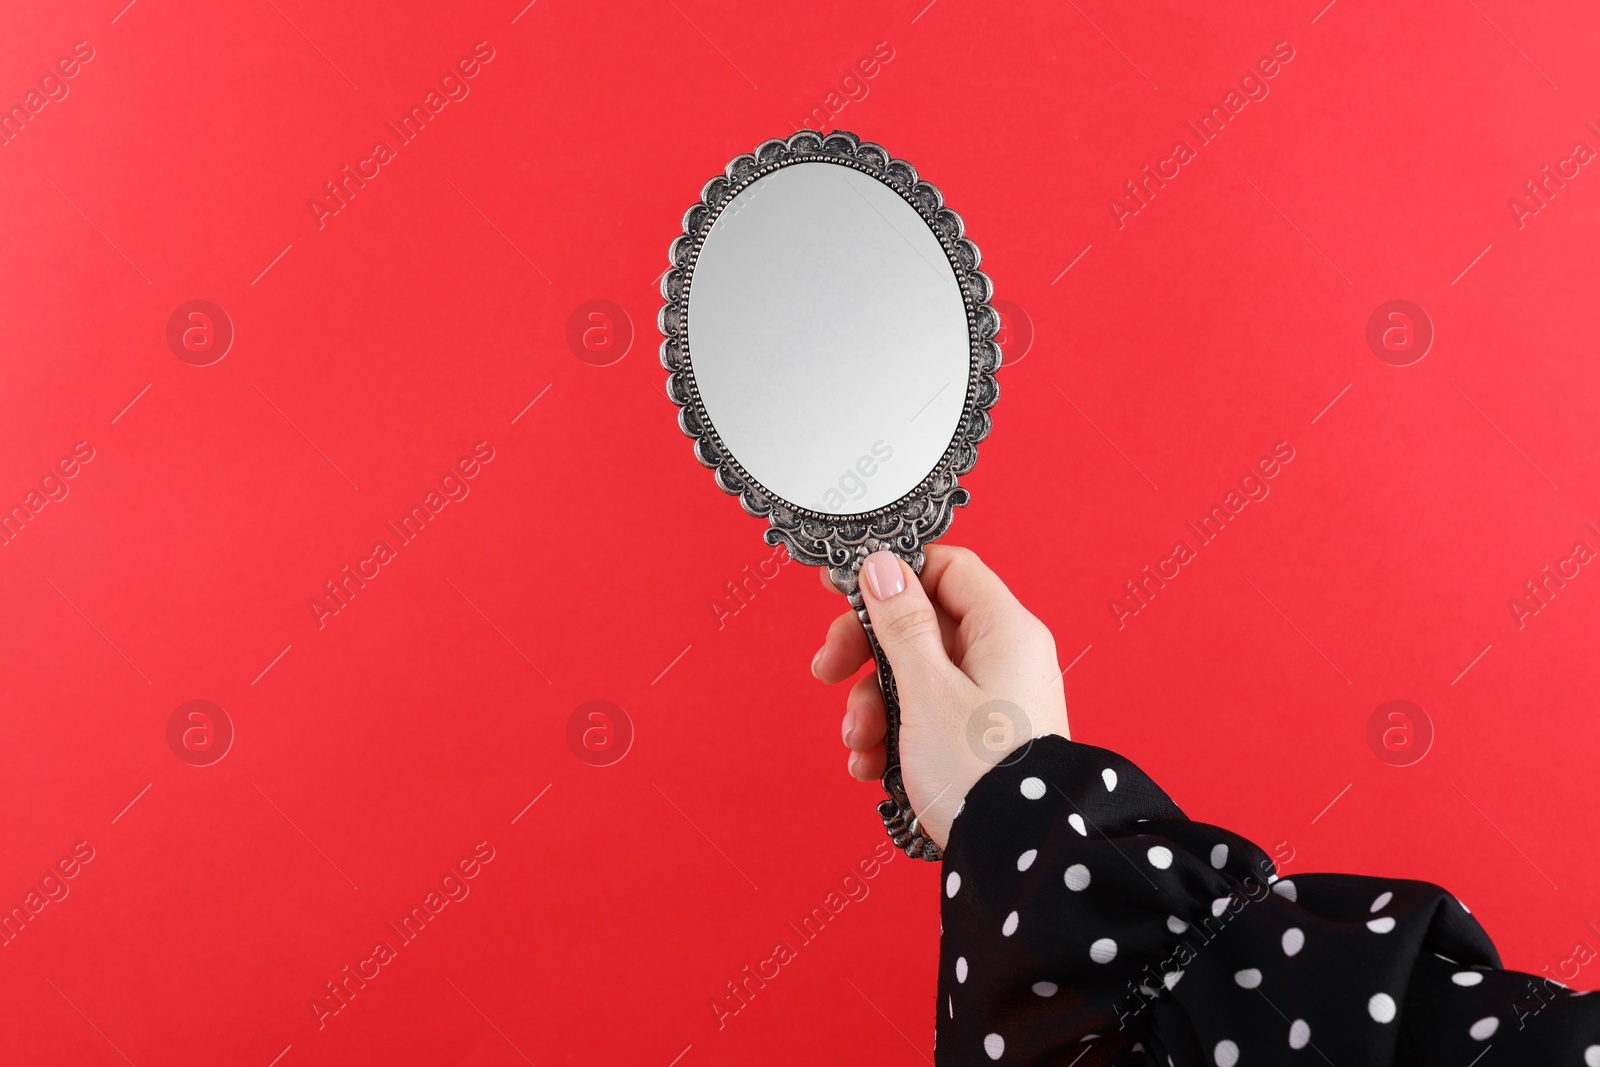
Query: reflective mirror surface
pixel 828 338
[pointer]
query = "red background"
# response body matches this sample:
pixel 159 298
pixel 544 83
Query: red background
pixel 373 753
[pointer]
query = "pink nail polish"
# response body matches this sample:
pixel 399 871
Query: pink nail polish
pixel 884 575
pixel 816 660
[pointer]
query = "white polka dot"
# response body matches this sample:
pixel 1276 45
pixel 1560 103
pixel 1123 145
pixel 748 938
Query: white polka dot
pixel 1381 925
pixel 1077 878
pixel 1011 925
pixel 1176 925
pixel 1285 889
pixel 1484 1028
pixel 1103 951
pixel 952 1002
pixel 1382 901
pixel 1219 856
pixel 1464 906
pixel 1466 978
pixel 1219 906
pixel 1226 1054
pixel 1170 979
pixel 1271 878
pixel 961 968
pixel 994 1044
pixel 1160 857
pixel 952 883
pixel 1033 789
pixel 1145 990
pixel 1591 1056
pixel 1299 1034
pixel 1109 777
pixel 1087 1037
pixel 1045 989
pixel 1025 860
pixel 1076 822
pixel 1381 1007
pixel 1248 978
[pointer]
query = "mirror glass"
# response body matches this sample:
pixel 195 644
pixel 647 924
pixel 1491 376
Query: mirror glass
pixel 828 338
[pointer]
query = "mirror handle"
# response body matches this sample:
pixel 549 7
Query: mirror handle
pixel 899 820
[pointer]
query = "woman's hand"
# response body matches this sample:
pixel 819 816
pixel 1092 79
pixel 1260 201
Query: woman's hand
pixel 976 673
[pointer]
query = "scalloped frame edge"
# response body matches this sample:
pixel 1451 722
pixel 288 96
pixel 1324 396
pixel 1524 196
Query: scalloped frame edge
pixel 921 515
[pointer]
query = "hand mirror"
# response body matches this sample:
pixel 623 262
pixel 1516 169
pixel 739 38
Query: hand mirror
pixel 832 351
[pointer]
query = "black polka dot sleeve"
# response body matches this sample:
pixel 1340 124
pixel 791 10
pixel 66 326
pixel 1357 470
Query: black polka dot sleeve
pixel 1087 921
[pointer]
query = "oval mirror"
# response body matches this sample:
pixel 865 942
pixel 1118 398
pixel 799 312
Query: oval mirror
pixel 832 351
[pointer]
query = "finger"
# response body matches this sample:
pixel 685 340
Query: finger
pixel 827 580
pixel 961 583
pixel 950 633
pixel 843 651
pixel 998 638
pixel 868 766
pixel 907 628
pixel 824 664
pixel 865 722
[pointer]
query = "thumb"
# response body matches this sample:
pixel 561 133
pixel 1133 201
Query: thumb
pixel 906 625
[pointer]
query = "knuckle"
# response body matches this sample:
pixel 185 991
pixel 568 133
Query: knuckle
pixel 914 623
pixel 1045 637
pixel 1028 627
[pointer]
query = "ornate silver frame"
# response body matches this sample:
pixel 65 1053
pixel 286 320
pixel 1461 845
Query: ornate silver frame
pixel 922 515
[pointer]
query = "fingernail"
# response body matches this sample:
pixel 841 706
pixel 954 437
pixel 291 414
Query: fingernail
pixel 849 727
pixel 816 660
pixel 855 759
pixel 883 573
